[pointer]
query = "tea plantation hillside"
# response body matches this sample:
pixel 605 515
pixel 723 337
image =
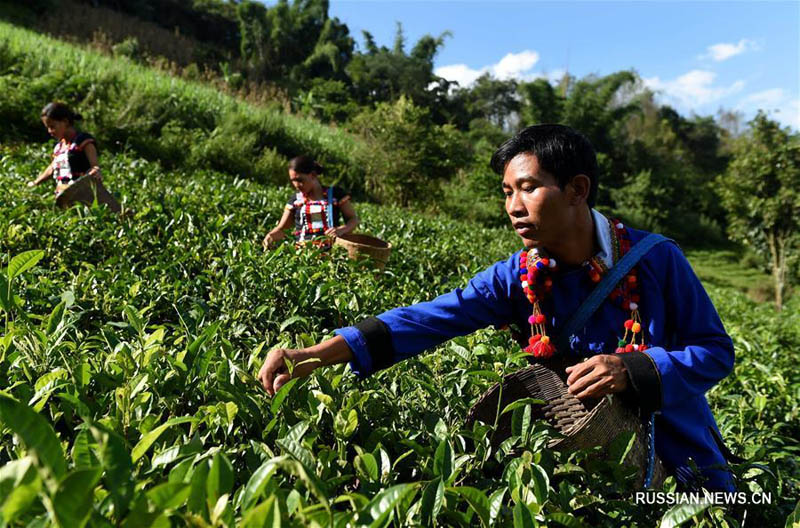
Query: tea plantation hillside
pixel 179 122
pixel 129 346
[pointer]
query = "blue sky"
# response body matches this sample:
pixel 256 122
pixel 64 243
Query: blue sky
pixel 699 56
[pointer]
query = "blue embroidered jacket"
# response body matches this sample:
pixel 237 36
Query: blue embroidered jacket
pixel 689 348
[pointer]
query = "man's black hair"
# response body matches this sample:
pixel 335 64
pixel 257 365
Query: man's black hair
pixel 560 150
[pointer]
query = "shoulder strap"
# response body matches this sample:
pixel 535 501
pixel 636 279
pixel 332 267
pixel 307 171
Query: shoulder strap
pixel 330 206
pixel 602 290
pixel 81 139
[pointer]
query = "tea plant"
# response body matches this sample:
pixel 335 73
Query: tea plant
pixel 129 347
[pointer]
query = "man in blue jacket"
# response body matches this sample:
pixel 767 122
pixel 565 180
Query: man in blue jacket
pixel 660 342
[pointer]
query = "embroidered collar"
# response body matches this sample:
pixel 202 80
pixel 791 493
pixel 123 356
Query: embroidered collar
pixel 606 238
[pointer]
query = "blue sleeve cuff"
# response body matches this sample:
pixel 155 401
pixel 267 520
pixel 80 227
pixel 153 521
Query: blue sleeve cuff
pixel 361 364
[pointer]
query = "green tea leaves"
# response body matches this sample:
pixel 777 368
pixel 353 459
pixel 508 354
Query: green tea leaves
pixel 149 439
pixel 23 262
pixel 36 433
pixel 73 500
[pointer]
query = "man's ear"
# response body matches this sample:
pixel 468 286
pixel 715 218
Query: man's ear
pixel 579 189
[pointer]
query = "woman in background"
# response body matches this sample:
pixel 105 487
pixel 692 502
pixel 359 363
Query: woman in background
pixel 315 210
pixel 75 154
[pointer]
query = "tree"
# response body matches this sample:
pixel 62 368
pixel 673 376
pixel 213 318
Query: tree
pixel 669 165
pixel 254 31
pixel 293 42
pixel 381 74
pixel 761 192
pixel 494 100
pixel 330 56
pixel 406 155
pixel 541 102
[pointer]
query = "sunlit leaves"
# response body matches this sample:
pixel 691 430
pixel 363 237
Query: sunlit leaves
pixel 116 460
pixel 382 505
pixel 257 482
pixel 265 515
pixel 220 478
pixel 680 513
pixel 366 466
pixel 345 423
pixel 443 461
pixel 149 439
pixel 19 486
pixel 477 501
pixel 22 262
pixel 432 501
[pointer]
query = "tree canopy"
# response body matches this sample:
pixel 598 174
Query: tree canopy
pixel 761 192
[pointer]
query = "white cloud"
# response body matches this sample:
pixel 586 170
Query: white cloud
pixel 765 99
pixel 512 66
pixel 776 102
pixel 460 73
pixel 725 50
pixel 515 65
pixel 693 89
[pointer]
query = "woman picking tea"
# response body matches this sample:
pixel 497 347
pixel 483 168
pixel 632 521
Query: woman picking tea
pixel 315 210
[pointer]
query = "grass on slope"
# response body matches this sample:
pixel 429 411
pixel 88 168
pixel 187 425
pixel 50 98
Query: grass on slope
pixel 178 122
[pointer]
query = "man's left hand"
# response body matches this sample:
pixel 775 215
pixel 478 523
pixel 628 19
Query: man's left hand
pixel 597 376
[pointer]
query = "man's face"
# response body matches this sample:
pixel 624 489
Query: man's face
pixel 302 182
pixel 537 207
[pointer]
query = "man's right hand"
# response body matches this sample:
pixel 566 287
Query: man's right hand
pixel 274 374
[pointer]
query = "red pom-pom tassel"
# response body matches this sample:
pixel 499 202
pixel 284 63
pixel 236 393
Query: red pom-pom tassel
pixel 543 350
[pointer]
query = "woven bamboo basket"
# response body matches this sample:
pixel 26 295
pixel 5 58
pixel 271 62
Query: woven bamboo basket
pixel 84 191
pixel 358 244
pixel 583 423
